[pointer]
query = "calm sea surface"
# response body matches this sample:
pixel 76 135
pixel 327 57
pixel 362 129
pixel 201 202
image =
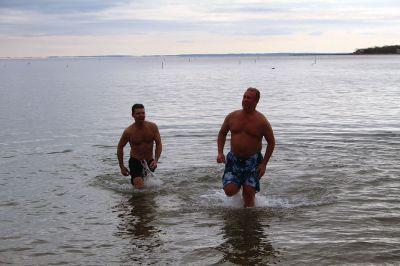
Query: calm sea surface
pixel 331 193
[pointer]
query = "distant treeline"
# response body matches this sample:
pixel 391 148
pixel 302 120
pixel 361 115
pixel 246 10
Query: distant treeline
pixel 389 49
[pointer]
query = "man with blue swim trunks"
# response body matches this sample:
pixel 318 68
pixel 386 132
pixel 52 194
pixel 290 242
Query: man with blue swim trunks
pixel 244 164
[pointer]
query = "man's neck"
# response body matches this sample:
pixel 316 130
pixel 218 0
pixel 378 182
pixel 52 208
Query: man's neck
pixel 249 111
pixel 139 123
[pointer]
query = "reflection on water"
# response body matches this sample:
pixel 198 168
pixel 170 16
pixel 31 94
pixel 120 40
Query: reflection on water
pixel 136 217
pixel 246 243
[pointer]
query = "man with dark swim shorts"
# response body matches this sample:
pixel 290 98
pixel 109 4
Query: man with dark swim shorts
pixel 244 164
pixel 141 135
pixel 139 168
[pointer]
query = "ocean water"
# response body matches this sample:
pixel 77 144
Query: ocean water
pixel 330 194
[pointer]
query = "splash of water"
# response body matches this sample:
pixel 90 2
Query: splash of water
pixel 219 199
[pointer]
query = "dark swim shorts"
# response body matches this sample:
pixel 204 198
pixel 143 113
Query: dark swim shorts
pixel 242 171
pixel 138 167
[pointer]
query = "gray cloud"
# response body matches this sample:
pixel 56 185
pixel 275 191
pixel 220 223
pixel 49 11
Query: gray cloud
pixel 71 25
pixel 190 19
pixel 56 7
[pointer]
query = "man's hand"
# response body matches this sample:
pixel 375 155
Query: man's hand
pixel 124 171
pixel 221 158
pixel 153 165
pixel 261 169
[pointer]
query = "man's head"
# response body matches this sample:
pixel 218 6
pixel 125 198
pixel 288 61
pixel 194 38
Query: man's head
pixel 250 99
pixel 138 112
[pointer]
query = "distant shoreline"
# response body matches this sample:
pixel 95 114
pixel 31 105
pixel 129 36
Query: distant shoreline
pixel 183 55
pixel 364 51
pixel 382 50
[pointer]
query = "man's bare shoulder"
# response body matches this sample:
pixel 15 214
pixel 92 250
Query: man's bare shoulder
pixel 234 114
pixel 127 133
pixel 152 125
pixel 263 120
pixel 129 128
pixel 261 116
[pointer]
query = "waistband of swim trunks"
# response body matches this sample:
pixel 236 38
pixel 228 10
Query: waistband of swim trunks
pixel 255 155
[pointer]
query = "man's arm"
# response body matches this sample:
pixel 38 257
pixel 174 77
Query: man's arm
pixel 221 140
pixel 269 137
pixel 120 153
pixel 158 150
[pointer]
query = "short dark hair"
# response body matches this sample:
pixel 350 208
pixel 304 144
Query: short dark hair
pixel 256 91
pixel 137 106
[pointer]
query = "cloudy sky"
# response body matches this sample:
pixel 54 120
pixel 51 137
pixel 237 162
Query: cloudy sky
pixel 40 28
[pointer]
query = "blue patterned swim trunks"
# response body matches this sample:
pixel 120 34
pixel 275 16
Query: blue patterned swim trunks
pixel 242 171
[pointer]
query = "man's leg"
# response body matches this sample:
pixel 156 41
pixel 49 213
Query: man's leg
pixel 252 182
pixel 249 196
pixel 138 182
pixel 136 170
pixel 231 189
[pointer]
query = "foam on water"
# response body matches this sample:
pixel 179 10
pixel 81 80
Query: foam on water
pixel 123 184
pixel 218 198
pixel 153 182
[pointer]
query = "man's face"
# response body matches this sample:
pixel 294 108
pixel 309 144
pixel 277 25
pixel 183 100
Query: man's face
pixel 139 115
pixel 249 101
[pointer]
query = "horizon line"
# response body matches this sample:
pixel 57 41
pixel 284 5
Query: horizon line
pixel 177 55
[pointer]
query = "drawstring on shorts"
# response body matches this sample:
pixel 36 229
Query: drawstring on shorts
pixel 146 169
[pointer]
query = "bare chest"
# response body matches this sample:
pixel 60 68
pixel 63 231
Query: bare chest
pixel 141 136
pixel 249 127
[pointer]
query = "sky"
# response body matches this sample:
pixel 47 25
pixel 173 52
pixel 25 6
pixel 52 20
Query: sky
pixel 41 28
